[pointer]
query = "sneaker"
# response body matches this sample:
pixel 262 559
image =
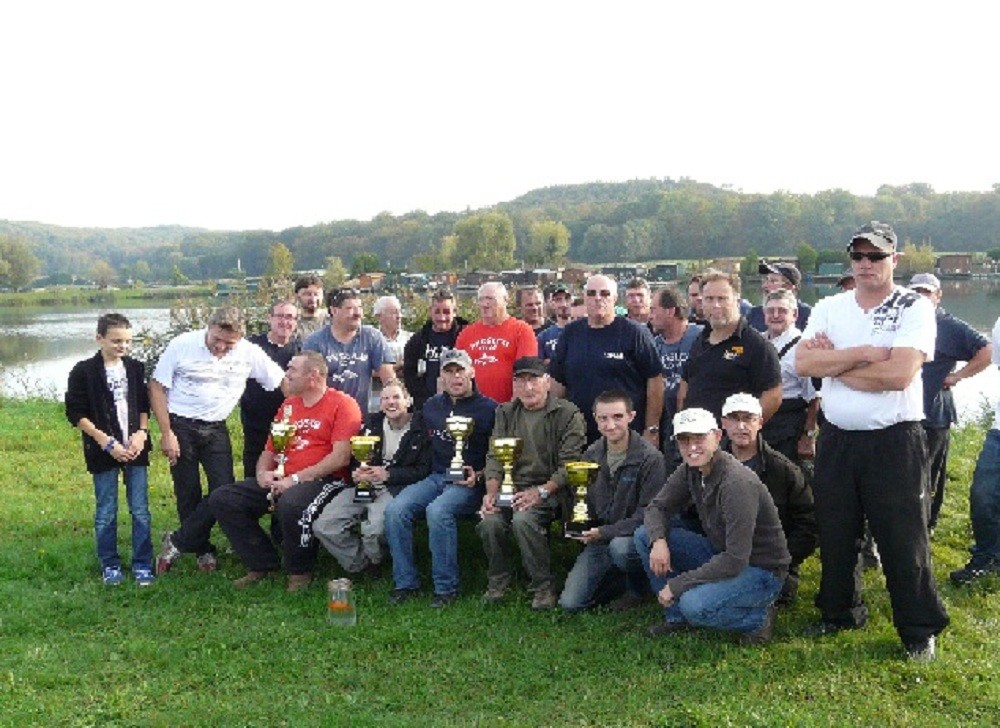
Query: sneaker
pixel 975 569
pixel 661 629
pixel 168 554
pixel 763 634
pixel 922 651
pixel 143 575
pixel 440 601
pixel 544 599
pixel 207 563
pixel 112 576
pixel 495 595
pixel 298 582
pixel 398 596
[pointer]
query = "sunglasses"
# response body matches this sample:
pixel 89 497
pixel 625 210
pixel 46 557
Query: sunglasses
pixel 873 257
pixel 591 293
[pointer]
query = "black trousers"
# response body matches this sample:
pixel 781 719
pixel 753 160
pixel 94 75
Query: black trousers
pixel 239 507
pixel 205 445
pixel 880 475
pixel 937 457
pixel 254 442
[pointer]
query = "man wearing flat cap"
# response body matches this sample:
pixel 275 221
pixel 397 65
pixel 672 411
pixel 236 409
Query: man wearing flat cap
pixel 776 277
pixel 552 433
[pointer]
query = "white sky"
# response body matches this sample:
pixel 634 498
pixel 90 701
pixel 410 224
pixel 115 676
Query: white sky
pixel 240 115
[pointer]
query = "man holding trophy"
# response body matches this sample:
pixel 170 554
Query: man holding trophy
pixel 459 422
pixel 629 472
pixel 534 436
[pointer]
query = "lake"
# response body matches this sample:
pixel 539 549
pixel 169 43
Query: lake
pixel 38 346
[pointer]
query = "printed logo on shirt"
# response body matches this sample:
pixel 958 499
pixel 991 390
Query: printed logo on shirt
pixel 886 317
pixel 733 352
pixel 484 360
pixel 489 343
pixel 617 355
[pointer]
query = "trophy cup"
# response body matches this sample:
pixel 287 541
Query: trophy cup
pixel 460 428
pixel 282 434
pixel 362 447
pixel 506 450
pixel 578 474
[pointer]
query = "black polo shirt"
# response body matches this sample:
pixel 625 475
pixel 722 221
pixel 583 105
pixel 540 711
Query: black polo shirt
pixel 745 362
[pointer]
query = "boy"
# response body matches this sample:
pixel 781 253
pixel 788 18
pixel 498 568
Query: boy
pixel 107 400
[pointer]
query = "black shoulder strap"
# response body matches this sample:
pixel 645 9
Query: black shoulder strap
pixel 789 345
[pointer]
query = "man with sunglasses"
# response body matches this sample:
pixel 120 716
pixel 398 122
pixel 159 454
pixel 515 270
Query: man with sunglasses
pixel 871 457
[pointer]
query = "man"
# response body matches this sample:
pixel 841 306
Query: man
pixel 495 342
pixel 442 500
pixel 389 313
pixel 638 300
pixel 792 429
pixel 695 313
pixel 792 496
pixel 552 433
pixel 422 353
pixel 984 500
pixel 871 458
pixel 561 305
pixel 312 317
pixel 316 467
pixel 257 405
pixel 846 282
pixel 196 384
pixel 605 351
pixel 630 472
pixel 956 341
pixel 778 277
pixel 354 352
pixel 674 338
pixel 729 576
pixel 531 305
pixel 729 356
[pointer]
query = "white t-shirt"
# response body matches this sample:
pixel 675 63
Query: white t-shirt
pixel 203 386
pixel 903 319
pixel 118 386
pixel 792 385
pixel 996 360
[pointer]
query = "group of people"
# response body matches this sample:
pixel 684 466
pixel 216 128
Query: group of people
pixel 716 470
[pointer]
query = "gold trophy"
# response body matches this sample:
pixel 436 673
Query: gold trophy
pixel 506 450
pixel 578 474
pixel 460 428
pixel 362 447
pixel 282 435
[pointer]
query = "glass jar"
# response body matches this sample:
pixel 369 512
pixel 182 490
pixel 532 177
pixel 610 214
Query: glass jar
pixel 340 608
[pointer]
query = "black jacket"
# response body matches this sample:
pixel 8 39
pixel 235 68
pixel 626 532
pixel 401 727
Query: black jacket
pixel 618 504
pixel 412 461
pixel 416 384
pixel 87 395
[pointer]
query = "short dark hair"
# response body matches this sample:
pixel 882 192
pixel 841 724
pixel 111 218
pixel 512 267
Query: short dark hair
pixel 112 321
pixel 227 318
pixel 670 297
pixel 306 281
pixel 315 362
pixel 733 279
pixel 637 282
pixel 528 289
pixel 337 296
pixel 443 294
pixel 610 396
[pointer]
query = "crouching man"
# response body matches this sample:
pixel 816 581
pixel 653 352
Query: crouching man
pixel 729 578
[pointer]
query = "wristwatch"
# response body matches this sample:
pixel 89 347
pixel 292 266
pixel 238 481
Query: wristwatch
pixel 653 429
pixel 810 433
pixel 543 492
pixel 295 478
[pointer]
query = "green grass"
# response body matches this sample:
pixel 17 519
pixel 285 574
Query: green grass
pixel 192 651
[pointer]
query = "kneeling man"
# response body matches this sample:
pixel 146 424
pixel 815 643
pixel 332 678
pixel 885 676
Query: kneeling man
pixel 730 577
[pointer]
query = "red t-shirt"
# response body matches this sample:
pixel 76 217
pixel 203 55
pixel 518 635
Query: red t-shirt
pixel 494 349
pixel 335 418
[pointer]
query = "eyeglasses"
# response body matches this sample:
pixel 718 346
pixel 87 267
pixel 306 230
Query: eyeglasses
pixel 286 316
pixel 604 293
pixel 873 257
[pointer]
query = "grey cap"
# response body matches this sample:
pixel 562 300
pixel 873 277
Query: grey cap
pixel 786 270
pixel 530 365
pixel 456 356
pixel 925 282
pixel 878 234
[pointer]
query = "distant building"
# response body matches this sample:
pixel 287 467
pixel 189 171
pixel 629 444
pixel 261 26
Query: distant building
pixel 954 264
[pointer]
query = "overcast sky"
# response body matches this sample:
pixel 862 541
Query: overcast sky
pixel 239 115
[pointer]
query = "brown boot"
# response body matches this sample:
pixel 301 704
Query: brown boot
pixel 252 577
pixel 298 582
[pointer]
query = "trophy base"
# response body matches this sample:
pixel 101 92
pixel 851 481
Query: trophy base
pixel 364 495
pixel 505 500
pixel 575 529
pixel 455 476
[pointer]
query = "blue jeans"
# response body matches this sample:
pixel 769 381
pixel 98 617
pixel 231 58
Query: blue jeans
pixel 443 504
pixel 594 565
pixel 984 500
pixel 738 604
pixel 106 516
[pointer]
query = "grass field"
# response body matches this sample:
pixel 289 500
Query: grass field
pixel 191 651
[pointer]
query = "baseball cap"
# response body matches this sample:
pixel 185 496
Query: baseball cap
pixel 529 365
pixel 456 356
pixel 559 287
pixel 787 271
pixel 925 282
pixel 878 234
pixel 694 421
pixel 741 402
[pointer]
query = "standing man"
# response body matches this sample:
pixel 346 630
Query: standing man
pixel 605 351
pixel 729 356
pixel 674 338
pixel 729 576
pixel 495 342
pixel 552 433
pixel 531 305
pixel 792 429
pixel 984 500
pixel 785 482
pixel 318 457
pixel 638 300
pixel 354 352
pixel 777 277
pixel 442 501
pixel 197 382
pixel 422 353
pixel 312 317
pixel 695 313
pixel 389 313
pixel 869 345
pixel 257 405
pixel 561 305
pixel 956 341
pixel 630 472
